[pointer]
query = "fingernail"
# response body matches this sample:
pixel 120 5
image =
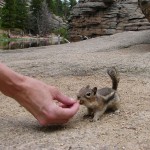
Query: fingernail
pixel 73 100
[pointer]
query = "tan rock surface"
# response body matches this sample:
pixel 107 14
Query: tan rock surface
pixel 69 67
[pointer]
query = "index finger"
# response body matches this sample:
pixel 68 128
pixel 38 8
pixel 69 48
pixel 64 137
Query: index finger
pixel 67 113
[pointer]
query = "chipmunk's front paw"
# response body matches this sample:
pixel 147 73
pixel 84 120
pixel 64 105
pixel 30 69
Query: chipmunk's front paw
pixel 87 116
pixel 117 112
pixel 95 119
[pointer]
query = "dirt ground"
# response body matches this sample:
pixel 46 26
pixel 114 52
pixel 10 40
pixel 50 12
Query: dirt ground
pixel 70 67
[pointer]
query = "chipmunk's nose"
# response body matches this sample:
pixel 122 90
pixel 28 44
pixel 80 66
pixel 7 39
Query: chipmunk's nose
pixel 81 102
pixel 78 97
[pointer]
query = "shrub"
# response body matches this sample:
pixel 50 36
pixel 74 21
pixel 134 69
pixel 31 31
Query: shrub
pixel 63 32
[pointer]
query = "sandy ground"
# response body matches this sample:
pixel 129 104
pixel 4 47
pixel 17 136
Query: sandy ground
pixel 70 67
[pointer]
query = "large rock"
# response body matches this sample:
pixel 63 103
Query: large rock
pixel 91 18
pixel 57 22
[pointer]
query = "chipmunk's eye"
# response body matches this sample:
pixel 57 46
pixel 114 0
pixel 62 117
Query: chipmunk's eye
pixel 88 94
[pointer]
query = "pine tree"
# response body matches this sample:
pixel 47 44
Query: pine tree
pixel 8 14
pixel 67 6
pixel 51 5
pixel 0 16
pixel 36 6
pixel 66 9
pixel 39 23
pixel 58 7
pixel 43 20
pixel 35 9
pixel 21 12
pixel 14 14
pixel 61 7
pixel 72 3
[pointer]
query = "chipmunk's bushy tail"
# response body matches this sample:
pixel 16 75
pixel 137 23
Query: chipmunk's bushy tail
pixel 115 77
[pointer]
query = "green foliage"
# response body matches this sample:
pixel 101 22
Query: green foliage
pixel 39 22
pixel 21 12
pixel 66 9
pixel 63 32
pixel 61 7
pixel 51 5
pixel 8 14
pixel 72 3
pixel 35 6
pixel 58 7
pixel 14 14
pixel 0 17
pixel 4 36
pixel 17 14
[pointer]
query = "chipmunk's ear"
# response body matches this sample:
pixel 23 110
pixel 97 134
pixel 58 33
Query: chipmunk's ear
pixel 94 90
pixel 88 86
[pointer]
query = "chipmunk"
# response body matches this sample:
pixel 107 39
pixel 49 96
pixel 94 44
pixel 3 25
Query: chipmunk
pixel 98 101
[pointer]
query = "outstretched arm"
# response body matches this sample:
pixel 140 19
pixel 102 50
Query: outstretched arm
pixel 37 97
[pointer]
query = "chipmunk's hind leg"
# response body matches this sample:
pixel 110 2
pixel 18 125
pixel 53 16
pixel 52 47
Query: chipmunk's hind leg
pixel 116 104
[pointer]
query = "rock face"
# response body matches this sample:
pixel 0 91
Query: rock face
pixel 91 18
pixel 57 22
pixel 145 7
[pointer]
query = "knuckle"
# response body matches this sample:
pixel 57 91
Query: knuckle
pixel 54 91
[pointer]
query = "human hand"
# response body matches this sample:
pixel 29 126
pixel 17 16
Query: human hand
pixel 41 100
pixel 37 97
